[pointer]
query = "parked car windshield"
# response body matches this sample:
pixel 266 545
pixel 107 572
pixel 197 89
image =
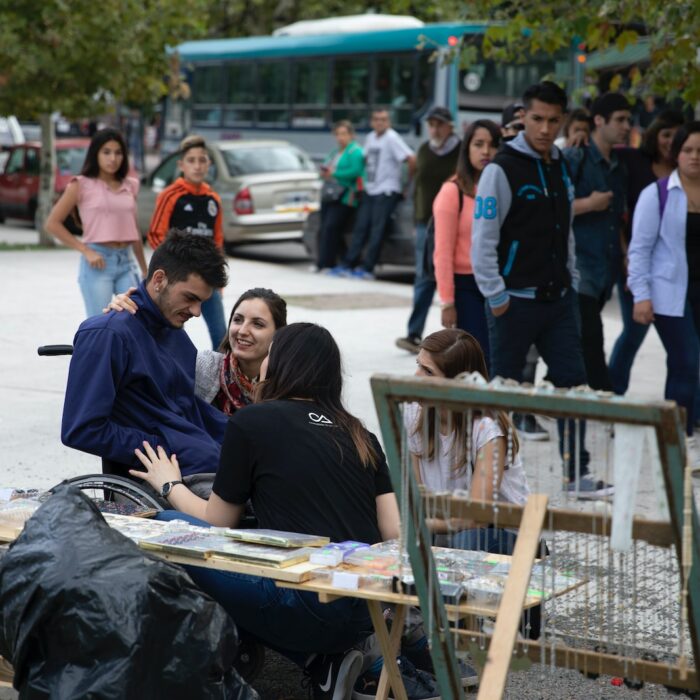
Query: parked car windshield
pixel 69 161
pixel 266 159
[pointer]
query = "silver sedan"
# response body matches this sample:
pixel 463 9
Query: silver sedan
pixel 267 189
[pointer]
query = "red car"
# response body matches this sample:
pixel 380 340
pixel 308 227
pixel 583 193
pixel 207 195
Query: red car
pixel 19 181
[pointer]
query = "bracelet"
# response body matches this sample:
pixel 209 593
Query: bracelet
pixel 447 305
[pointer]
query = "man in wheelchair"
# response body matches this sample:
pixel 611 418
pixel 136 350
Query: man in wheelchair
pixel 131 377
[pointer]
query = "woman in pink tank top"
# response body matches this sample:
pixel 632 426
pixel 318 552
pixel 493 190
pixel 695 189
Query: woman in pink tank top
pixel 105 198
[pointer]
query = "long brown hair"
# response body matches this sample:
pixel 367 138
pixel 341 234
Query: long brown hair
pixel 455 351
pixel 304 363
pixel 466 175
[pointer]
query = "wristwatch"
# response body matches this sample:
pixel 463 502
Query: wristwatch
pixel 168 487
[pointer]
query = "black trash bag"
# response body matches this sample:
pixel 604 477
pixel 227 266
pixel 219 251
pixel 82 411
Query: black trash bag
pixel 86 614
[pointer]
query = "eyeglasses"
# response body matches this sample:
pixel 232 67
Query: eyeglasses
pixel 516 126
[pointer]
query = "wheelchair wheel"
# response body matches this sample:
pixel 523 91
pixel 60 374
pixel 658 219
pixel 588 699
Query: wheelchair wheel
pixel 250 659
pixel 124 494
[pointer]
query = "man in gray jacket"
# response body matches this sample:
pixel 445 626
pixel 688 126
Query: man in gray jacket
pixel 523 254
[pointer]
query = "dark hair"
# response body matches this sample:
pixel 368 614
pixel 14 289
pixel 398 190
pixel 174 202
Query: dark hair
pixel 577 115
pixel 668 119
pixel 344 124
pixel 546 91
pixel 681 136
pixel 304 363
pixel 182 254
pixel 466 174
pixel 91 166
pixel 605 105
pixel 190 142
pixel 274 302
pixel 455 351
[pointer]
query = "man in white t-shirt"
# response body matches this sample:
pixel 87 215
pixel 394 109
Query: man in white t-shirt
pixel 385 153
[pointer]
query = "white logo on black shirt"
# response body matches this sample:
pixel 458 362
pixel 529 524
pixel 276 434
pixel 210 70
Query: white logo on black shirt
pixel 320 420
pixel 212 208
pixel 188 207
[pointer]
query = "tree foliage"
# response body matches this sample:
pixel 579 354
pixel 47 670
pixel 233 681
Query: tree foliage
pixel 672 27
pixel 73 56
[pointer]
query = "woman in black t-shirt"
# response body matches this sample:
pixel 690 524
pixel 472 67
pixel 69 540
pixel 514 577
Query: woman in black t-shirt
pixel 308 466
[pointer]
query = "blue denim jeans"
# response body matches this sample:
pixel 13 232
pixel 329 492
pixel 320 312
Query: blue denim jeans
pixel 423 288
pixel 98 286
pixel 628 343
pixel 293 623
pixel 370 227
pixel 553 327
pixel 213 314
pixel 469 303
pixel 497 540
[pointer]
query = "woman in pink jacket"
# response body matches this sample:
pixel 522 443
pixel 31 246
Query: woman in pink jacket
pixel 453 211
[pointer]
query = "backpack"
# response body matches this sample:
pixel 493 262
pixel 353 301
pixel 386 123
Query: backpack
pixel 662 189
pixel 429 245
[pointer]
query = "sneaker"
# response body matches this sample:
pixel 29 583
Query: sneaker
pixel 410 343
pixel 528 428
pixel 420 657
pixel 332 676
pixel 359 273
pixel 339 271
pixel 590 489
pixel 419 684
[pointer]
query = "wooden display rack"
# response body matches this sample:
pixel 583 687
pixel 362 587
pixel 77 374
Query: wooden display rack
pixel 681 531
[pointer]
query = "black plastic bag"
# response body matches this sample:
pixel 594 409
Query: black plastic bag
pixel 86 614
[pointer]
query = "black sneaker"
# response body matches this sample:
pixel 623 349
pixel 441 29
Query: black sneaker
pixel 332 676
pixel 419 684
pixel 528 428
pixel 410 343
pixel 423 661
pixel 589 489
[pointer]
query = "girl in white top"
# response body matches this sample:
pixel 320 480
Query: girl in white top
pixel 482 463
pixel 485 463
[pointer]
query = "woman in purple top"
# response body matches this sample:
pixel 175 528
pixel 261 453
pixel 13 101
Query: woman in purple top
pixel 105 198
pixel 646 164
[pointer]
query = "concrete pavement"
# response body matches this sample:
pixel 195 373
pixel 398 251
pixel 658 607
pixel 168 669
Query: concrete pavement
pixel 43 305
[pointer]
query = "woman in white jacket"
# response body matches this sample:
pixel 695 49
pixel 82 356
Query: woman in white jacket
pixel 664 267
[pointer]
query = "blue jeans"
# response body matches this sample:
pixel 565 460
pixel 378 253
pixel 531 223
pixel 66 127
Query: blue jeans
pixel 680 341
pixel 371 224
pixel 496 540
pixel 423 288
pixel 469 303
pixel 553 327
pixel 98 286
pixel 627 344
pixel 292 622
pixel 335 217
pixel 213 314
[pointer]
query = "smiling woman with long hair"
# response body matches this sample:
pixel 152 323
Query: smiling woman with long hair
pixel 308 465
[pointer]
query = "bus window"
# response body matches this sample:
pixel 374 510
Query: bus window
pixel 491 85
pixel 310 94
pixel 240 102
pixel 393 87
pixel 350 91
pixel 273 94
pixel 426 81
pixel 207 87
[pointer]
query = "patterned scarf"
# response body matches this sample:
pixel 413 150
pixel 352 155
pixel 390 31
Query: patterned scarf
pixel 236 389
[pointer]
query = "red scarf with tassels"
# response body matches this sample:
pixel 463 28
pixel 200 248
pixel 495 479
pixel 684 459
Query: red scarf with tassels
pixel 236 389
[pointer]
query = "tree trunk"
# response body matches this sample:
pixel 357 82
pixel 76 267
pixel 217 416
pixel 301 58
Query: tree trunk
pixel 47 179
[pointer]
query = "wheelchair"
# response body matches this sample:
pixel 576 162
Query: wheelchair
pixel 115 484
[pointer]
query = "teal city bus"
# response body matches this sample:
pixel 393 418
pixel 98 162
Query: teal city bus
pixel 296 84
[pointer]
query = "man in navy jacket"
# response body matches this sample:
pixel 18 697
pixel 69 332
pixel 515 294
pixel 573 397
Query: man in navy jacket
pixel 131 377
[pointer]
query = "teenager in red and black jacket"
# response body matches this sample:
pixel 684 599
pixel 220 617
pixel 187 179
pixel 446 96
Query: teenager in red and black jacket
pixel 191 205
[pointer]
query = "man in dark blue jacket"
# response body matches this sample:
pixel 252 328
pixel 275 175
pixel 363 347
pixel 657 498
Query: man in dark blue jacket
pixel 131 377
